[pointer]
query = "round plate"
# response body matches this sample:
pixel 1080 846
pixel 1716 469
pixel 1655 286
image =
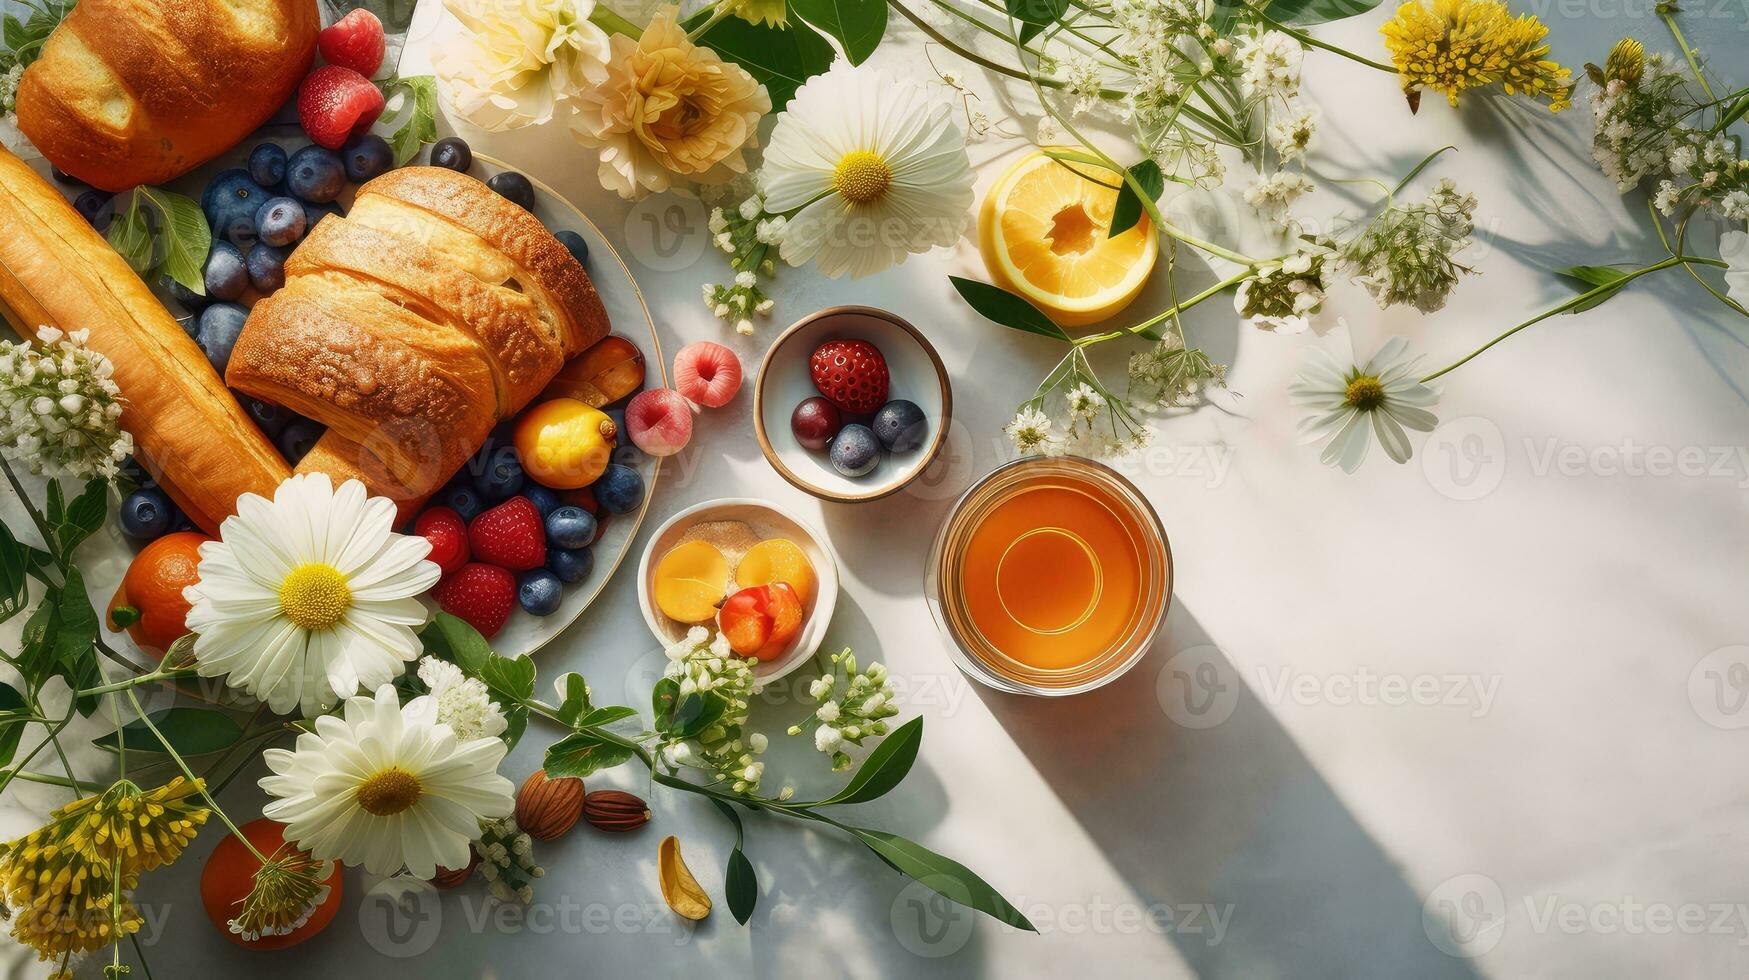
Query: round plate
pixel 628 317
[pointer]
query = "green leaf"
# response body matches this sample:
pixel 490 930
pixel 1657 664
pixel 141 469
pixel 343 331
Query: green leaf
pixel 455 641
pixel 58 640
pixel 420 125
pixel 1128 210
pixel 15 565
pixel 510 678
pixel 10 699
pixel 1036 15
pixel 884 768
pixel 1305 13
pixel 186 237
pixel 606 716
pixel 515 723
pixel 945 876
pixel 131 237
pixel 1593 276
pixel 1001 306
pixel 740 886
pixel 190 731
pixel 576 697
pixel 857 24
pixel 582 753
pixel 80 519
pixel 780 59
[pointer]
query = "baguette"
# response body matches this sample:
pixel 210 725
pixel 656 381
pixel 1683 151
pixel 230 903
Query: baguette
pixel 189 432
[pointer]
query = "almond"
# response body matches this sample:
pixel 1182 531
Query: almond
pixel 615 810
pixel 547 808
pixel 446 878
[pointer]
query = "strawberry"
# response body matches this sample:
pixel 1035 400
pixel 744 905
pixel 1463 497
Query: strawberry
pixel 480 595
pixel 448 535
pixel 355 41
pixel 852 375
pixel 335 103
pixel 510 535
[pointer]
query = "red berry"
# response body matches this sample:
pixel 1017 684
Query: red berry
pixel 335 102
pixel 448 534
pixel 480 595
pixel 510 535
pixel 355 41
pixel 852 374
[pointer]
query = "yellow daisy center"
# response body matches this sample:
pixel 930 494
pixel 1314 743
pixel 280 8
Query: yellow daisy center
pixel 862 176
pixel 388 792
pixel 314 596
pixel 1364 393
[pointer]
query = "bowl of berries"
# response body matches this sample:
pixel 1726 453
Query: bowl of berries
pixel 851 404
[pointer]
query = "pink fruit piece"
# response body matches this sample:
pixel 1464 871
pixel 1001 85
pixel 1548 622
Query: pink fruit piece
pixel 335 103
pixel 354 41
pixel 660 420
pixel 707 373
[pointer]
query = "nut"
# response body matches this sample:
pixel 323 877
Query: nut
pixel 547 808
pixel 615 811
pixel 679 887
pixel 446 878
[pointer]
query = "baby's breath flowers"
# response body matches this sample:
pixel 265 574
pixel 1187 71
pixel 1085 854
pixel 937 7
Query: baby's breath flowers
pixel 1031 431
pixel 59 407
pixel 701 662
pixel 288 888
pixel 1283 297
pixel 507 861
pixel 850 706
pixel 1637 100
pixel 1453 46
pixel 9 89
pixel 1170 375
pixel 747 235
pixel 1405 255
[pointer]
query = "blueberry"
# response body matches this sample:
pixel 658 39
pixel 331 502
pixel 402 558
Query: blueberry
pixel 220 324
pixel 230 202
pixel 270 417
pixel 855 451
pixel 146 513
pixel 452 153
pixel 620 489
pixel 315 174
pixel 544 500
pixel 186 298
pixel 281 221
pixel 463 500
pixel 900 426
pixel 267 164
pixel 570 564
pixel 570 527
pixel 513 187
pixel 573 241
pixel 267 266
pixel 97 207
pixel 227 275
pixel 296 439
pixel 502 475
pixel 366 156
pixel 540 592
pixel 314 213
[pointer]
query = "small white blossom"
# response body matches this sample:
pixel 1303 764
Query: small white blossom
pixel 1030 430
pixel 827 738
pixel 827 712
pixel 463 702
pixel 60 408
pixel 1272 64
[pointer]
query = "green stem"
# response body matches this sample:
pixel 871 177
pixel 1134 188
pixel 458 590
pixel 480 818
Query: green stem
pixel 1169 312
pixel 613 23
pixel 718 10
pixel 1687 52
pixel 1305 38
pixel 127 685
pixel 49 780
pixel 199 784
pixel 18 771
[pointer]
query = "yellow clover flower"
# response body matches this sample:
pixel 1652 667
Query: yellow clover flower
pixel 773 12
pixel 1452 46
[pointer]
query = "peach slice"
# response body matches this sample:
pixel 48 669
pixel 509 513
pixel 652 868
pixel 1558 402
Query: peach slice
pixel 777 560
pixel 601 375
pixel 690 580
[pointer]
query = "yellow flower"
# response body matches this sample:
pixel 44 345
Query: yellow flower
pixel 669 112
pixel 63 879
pixel 773 12
pixel 1452 46
pixel 287 890
pixel 519 62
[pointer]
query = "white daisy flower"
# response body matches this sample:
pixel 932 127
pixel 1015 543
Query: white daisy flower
pixel 309 597
pixel 386 787
pixel 1382 395
pixel 876 166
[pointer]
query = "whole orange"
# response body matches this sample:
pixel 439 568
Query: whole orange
pixel 153 585
pixel 230 874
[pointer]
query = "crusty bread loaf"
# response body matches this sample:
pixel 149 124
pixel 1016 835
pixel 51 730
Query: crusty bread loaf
pixel 410 327
pixel 189 432
pixel 141 91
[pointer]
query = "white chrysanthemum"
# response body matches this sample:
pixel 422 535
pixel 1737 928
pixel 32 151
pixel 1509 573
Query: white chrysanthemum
pixel 1352 403
pixel 463 702
pixel 386 787
pixel 309 597
pixel 877 167
pixel 517 61
pixel 1734 249
pixel 1030 430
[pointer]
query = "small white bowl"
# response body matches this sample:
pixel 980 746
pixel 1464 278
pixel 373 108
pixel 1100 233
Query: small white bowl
pixel 768 521
pixel 916 375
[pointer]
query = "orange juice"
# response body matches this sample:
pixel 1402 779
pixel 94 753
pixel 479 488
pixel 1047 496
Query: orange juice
pixel 1051 576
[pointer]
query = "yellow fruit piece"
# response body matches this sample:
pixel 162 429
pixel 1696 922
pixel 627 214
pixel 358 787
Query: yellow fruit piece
pixel 679 887
pixel 1043 233
pixel 690 580
pixel 777 560
pixel 565 444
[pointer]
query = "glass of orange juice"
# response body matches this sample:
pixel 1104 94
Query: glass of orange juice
pixel 1051 576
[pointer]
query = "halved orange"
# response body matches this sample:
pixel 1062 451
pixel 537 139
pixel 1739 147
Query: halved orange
pixel 1043 231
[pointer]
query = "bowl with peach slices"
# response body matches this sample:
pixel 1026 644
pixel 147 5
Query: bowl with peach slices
pixel 747 568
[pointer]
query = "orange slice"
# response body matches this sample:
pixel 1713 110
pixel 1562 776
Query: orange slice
pixel 1043 231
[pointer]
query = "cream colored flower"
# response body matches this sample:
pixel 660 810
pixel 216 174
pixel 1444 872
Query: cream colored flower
pixel 669 113
pixel 518 61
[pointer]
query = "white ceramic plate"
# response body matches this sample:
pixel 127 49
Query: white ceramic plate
pixel 915 372
pixel 768 521
pixel 629 318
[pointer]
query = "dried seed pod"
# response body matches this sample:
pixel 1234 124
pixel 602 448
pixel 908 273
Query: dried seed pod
pixel 679 887
pixel 547 808
pixel 615 811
